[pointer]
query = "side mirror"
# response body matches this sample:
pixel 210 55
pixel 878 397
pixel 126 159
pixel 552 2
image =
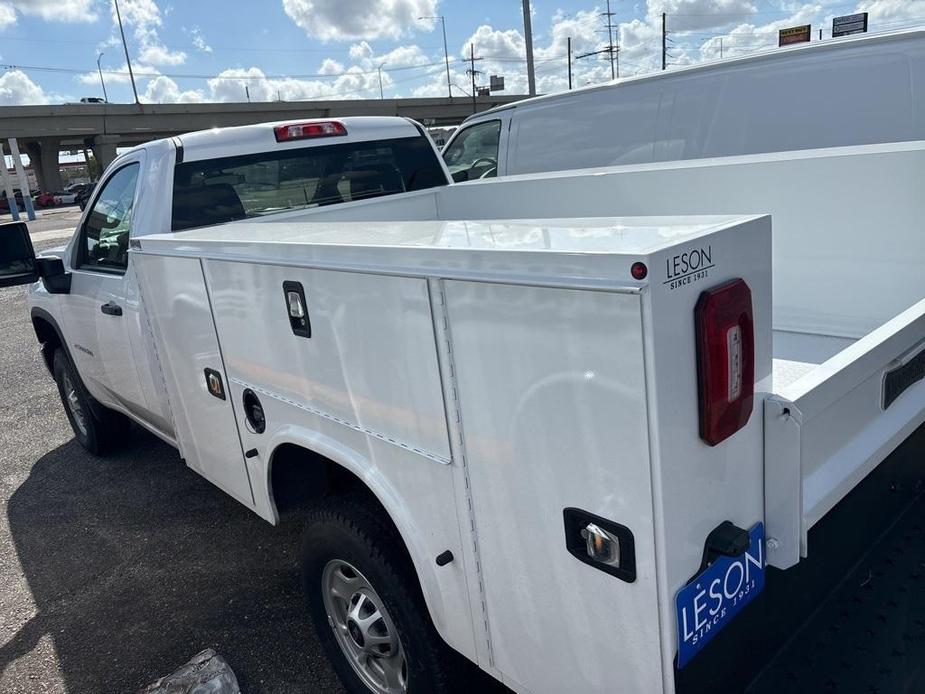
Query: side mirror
pixel 18 264
pixel 17 257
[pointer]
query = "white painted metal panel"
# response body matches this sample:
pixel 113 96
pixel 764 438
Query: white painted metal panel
pixel 174 290
pixel 848 251
pixel 568 428
pixel 370 362
pixel 417 493
pixel 827 430
pixel 697 486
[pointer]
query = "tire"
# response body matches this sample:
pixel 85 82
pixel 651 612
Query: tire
pixel 97 428
pixel 348 543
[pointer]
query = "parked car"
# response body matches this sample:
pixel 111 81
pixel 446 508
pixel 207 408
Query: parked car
pixel 44 199
pixel 65 198
pixel 5 203
pixel 797 98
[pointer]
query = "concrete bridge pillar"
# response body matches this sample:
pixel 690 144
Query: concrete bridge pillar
pixel 43 154
pixel 104 153
pixel 104 149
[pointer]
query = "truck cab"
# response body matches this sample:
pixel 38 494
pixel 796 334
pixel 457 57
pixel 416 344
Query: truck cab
pixel 190 181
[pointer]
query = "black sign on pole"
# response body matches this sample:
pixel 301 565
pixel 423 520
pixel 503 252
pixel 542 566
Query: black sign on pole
pixel 849 24
pixel 496 83
pixel 794 35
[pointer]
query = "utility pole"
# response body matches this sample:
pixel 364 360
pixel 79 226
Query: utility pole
pixel 664 44
pixel 98 58
pixel 569 62
pixel 720 47
pixel 381 97
pixel 128 61
pixel 613 74
pixel 528 40
pixel 820 34
pixel 472 71
pixel 247 93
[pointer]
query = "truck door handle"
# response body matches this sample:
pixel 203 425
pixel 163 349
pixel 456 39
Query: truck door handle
pixel 111 309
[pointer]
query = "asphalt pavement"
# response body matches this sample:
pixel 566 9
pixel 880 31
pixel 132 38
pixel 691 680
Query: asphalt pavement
pixel 51 224
pixel 115 571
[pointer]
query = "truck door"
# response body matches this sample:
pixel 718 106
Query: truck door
pixel 104 310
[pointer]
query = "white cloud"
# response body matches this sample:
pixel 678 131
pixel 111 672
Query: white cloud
pixel 159 55
pixel 693 15
pixel 142 18
pixel 120 74
pixel 52 10
pixel 16 89
pixel 163 90
pixel 360 50
pixel 198 41
pixel 892 10
pixel 353 83
pixel 340 20
pixel 7 15
pixel 330 67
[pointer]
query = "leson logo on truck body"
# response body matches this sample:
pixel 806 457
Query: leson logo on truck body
pixel 688 267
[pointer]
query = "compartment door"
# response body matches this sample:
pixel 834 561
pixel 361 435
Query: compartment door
pixel 175 295
pixel 554 416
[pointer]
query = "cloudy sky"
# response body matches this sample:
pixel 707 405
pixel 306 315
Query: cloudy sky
pixel 211 50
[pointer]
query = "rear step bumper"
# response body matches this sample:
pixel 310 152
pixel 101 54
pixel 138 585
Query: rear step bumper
pixel 868 562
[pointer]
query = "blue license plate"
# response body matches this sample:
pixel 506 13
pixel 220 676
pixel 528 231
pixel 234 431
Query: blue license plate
pixel 713 598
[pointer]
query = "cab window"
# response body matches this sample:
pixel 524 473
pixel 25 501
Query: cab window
pixel 104 237
pixel 473 154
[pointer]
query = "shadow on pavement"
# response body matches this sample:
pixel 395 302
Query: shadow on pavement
pixel 135 563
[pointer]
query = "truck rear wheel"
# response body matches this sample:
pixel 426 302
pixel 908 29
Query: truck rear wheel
pixel 97 428
pixel 366 604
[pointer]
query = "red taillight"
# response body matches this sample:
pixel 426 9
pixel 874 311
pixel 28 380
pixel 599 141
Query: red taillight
pixel 304 131
pixel 725 359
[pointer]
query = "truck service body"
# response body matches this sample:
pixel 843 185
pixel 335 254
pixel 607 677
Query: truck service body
pixel 591 431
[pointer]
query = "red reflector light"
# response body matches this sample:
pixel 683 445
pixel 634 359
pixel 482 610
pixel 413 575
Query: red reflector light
pixel 639 271
pixel 725 359
pixel 304 131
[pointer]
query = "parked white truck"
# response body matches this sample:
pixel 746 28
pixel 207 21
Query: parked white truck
pixel 569 445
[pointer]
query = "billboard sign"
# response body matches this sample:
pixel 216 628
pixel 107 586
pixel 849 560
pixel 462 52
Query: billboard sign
pixel 849 24
pixel 790 35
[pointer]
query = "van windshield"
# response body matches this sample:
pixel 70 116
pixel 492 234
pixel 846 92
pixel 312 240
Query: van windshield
pixel 214 191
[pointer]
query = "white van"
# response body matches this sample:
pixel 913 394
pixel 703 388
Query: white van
pixel 871 87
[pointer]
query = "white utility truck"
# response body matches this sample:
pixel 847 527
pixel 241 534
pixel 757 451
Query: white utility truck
pixel 536 421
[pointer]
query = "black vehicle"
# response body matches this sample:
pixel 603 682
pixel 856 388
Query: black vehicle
pixel 84 195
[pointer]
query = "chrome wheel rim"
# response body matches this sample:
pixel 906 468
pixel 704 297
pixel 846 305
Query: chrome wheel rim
pixel 73 404
pixel 363 628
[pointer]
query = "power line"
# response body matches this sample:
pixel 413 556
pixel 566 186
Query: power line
pixel 315 76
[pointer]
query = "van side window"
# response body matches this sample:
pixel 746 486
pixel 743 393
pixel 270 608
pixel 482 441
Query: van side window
pixel 104 237
pixel 473 154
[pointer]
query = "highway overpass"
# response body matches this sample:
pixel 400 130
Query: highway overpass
pixel 43 131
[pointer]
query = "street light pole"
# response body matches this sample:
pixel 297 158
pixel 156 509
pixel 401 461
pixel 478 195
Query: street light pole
pixel 98 58
pixel 380 81
pixel 128 62
pixel 446 53
pixel 528 41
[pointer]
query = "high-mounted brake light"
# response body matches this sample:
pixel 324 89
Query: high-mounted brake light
pixel 304 131
pixel 725 359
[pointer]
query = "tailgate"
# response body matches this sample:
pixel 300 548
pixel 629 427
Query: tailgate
pixel 827 430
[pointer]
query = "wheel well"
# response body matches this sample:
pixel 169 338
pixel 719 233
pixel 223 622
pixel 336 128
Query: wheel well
pixel 299 476
pixel 49 339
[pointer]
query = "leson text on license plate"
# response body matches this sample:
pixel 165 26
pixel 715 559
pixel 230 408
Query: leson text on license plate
pixel 712 599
